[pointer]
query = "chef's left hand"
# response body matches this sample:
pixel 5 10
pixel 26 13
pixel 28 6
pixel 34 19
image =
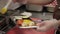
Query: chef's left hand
pixel 20 1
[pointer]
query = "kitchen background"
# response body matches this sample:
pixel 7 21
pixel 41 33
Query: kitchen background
pixel 37 10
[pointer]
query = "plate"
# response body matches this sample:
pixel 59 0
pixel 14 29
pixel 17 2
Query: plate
pixel 29 27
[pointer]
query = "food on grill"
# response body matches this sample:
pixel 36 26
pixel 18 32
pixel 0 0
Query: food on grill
pixel 19 22
pixel 25 23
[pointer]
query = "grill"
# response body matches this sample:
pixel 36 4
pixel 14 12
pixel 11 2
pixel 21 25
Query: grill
pixel 5 24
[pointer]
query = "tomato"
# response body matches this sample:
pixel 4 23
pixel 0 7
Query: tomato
pixel 19 22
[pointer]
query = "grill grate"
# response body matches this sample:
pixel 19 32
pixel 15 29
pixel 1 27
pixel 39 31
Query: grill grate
pixel 6 24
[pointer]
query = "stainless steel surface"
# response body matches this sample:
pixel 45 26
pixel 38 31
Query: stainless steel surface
pixel 38 8
pixel 51 9
pixel 40 15
pixel 34 7
pixel 34 14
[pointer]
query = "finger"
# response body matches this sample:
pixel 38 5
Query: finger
pixel 42 29
pixel 40 24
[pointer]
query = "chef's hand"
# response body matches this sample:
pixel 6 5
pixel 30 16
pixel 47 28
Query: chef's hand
pixel 46 25
pixel 36 2
pixel 20 1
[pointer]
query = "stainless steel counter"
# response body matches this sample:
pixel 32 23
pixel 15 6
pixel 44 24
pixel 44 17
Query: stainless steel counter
pixel 43 15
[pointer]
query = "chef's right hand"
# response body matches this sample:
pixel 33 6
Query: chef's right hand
pixel 47 24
